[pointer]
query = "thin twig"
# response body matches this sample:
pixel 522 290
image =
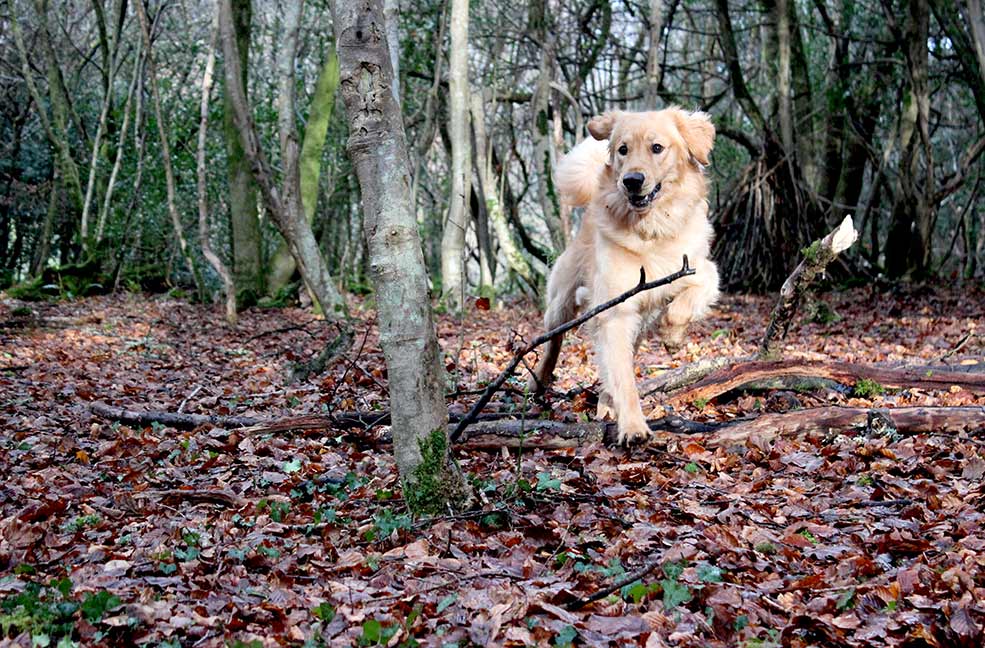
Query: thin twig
pixel 495 385
pixel 628 579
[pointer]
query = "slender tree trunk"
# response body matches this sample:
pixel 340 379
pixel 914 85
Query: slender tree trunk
pixel 783 84
pixel 136 85
pixel 491 192
pixel 910 234
pixel 282 264
pixel 162 131
pixel 453 234
pixel 204 230
pixel 652 93
pixel 284 203
pixel 42 249
pixel 378 148
pixel 540 126
pixel 244 224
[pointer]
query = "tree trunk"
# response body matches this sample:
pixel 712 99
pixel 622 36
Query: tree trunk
pixel 491 193
pixel 204 230
pixel 540 129
pixel 652 94
pixel 284 202
pixel 244 224
pixel 378 148
pixel 162 131
pixel 453 233
pixel 783 84
pixel 136 86
pixel 282 265
pixel 910 235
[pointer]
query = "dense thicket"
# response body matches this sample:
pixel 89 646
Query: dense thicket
pixel 824 108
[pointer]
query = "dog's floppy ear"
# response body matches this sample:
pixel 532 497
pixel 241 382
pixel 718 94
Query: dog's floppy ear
pixel 698 133
pixel 601 126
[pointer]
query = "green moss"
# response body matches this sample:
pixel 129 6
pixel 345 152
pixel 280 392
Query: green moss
pixel 811 251
pixel 436 484
pixel 866 388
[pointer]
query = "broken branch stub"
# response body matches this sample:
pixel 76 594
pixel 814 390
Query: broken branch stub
pixel 817 256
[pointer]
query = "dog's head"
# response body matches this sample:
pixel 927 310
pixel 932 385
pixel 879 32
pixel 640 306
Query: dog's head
pixel 649 152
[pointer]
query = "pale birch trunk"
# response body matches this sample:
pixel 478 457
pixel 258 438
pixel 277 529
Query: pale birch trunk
pixel 453 235
pixel 377 145
pixel 491 192
pixel 204 230
pixel 135 83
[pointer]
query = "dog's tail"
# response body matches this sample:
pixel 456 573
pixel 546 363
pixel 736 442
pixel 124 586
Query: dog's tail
pixel 578 172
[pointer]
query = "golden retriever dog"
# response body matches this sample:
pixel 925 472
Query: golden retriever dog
pixel 641 178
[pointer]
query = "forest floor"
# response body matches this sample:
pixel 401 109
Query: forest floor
pixel 111 535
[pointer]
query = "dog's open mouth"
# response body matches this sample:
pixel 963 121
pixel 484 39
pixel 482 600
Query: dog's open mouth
pixel 641 201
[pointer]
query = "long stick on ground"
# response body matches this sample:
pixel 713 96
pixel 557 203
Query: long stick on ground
pixel 495 385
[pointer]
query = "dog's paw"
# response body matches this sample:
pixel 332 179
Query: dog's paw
pixel 634 431
pixel 604 410
pixel 672 337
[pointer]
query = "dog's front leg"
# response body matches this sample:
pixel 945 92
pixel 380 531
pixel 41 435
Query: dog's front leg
pixel 690 304
pixel 616 332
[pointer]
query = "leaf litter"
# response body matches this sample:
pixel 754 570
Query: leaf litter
pixel 116 535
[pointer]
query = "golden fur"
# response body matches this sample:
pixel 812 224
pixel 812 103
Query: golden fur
pixel 616 239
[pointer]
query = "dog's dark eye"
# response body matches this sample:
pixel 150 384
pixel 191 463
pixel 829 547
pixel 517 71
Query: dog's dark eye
pixel 657 148
pixel 623 150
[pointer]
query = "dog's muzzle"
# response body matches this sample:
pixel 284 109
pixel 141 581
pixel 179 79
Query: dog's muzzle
pixel 642 202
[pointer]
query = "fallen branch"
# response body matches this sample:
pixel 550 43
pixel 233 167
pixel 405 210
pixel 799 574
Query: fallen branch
pixel 822 420
pixel 717 382
pixel 337 421
pixel 628 579
pixel 495 385
pixel 536 433
pixel 817 256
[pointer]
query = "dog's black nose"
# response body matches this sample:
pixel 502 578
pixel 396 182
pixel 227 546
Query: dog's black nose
pixel 633 182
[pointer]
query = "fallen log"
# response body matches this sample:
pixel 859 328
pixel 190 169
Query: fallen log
pixel 724 379
pixel 545 434
pixel 336 421
pixel 821 420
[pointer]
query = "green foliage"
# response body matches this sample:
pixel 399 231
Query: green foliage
pixel 49 613
pixel 566 638
pixel 81 522
pixel 547 483
pixel 324 611
pixel 766 548
pixel 376 633
pixel 386 522
pixel 866 388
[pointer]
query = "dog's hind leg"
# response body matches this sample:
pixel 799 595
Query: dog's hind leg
pixel 561 307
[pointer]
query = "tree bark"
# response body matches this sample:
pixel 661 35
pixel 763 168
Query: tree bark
pixel 378 148
pixel 179 229
pixel 284 202
pixel 652 92
pixel 282 265
pixel 204 229
pixel 491 193
pixel 453 233
pixel 816 258
pixel 244 223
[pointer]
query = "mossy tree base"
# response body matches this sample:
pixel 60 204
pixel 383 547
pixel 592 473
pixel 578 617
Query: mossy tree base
pixel 436 486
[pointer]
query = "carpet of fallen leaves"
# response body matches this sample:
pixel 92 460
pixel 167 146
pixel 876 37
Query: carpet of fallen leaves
pixel 116 536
